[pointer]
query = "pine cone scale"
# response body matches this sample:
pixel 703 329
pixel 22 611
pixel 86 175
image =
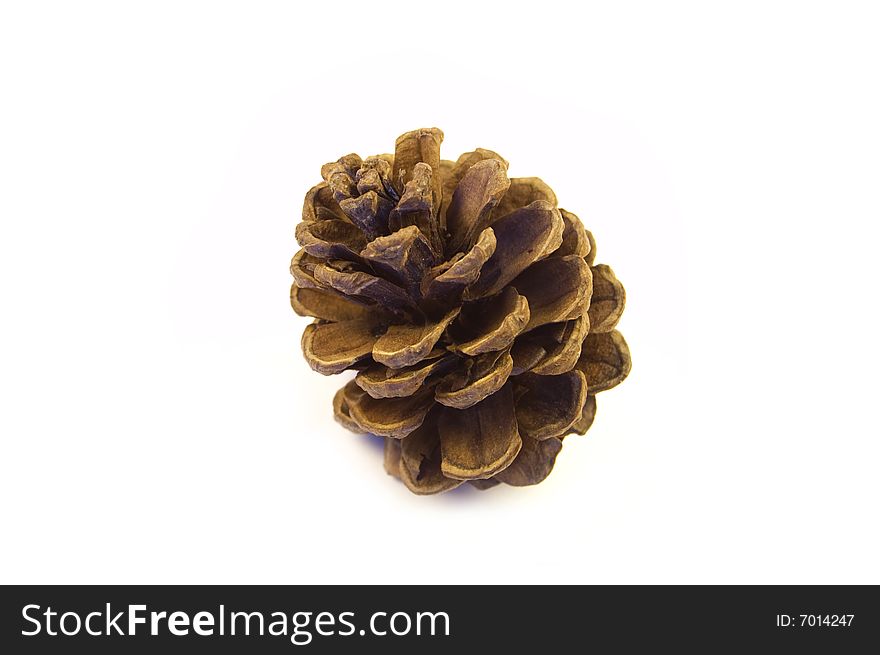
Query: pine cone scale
pixel 381 381
pixel 480 378
pixel 450 282
pixel 490 324
pixel 407 344
pixel 333 347
pixel 473 200
pixel 557 289
pixel 387 417
pixel 420 146
pixel 479 441
pixel 550 404
pixel 521 238
pixel 533 464
pixel 420 462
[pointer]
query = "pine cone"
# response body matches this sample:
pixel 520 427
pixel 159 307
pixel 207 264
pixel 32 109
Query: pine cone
pixel 468 303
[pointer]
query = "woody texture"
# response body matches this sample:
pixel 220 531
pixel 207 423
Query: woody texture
pixel 469 305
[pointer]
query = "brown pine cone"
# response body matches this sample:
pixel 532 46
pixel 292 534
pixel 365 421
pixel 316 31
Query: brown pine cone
pixel 468 303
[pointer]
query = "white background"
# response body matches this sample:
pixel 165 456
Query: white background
pixel 160 425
